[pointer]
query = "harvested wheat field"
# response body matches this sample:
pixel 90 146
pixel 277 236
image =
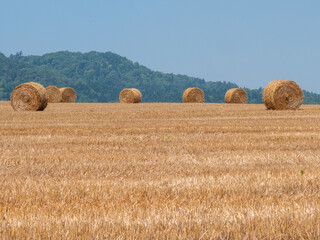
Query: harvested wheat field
pixel 159 170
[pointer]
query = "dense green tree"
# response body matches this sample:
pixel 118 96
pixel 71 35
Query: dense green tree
pixel 99 77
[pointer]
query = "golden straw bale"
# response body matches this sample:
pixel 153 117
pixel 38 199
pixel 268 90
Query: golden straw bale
pixel 54 94
pixel 130 95
pixel 138 93
pixel 193 95
pixel 282 95
pixel 29 96
pixel 68 94
pixel 236 95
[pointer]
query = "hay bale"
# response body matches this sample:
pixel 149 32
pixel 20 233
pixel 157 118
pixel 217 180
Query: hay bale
pixel 68 94
pixel 54 94
pixel 130 95
pixel 138 93
pixel 29 96
pixel 193 95
pixel 282 95
pixel 236 95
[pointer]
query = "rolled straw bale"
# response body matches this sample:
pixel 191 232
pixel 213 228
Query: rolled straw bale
pixel 130 95
pixel 68 94
pixel 193 95
pixel 236 95
pixel 54 94
pixel 138 93
pixel 282 95
pixel 29 96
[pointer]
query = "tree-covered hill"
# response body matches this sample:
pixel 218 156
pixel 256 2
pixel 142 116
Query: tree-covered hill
pixel 99 77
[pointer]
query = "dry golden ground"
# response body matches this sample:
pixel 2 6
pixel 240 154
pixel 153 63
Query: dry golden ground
pixel 159 170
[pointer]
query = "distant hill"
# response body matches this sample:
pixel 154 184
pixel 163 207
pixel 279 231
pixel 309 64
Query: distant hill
pixel 99 77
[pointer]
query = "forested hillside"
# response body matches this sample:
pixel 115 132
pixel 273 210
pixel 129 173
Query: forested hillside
pixel 99 77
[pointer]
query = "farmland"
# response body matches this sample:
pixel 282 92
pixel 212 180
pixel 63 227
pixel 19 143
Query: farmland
pixel 159 170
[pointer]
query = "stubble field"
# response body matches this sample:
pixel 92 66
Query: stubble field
pixel 159 170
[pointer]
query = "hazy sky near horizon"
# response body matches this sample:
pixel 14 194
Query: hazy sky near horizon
pixel 248 42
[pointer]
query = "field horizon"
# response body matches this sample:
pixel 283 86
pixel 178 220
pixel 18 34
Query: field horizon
pixel 160 170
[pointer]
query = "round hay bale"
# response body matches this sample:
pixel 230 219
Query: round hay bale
pixel 130 95
pixel 54 94
pixel 29 97
pixel 193 95
pixel 282 95
pixel 68 94
pixel 236 95
pixel 138 93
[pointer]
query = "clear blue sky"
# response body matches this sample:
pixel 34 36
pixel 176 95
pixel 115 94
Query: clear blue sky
pixel 246 42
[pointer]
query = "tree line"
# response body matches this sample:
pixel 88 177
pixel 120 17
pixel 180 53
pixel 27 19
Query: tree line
pixel 100 77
